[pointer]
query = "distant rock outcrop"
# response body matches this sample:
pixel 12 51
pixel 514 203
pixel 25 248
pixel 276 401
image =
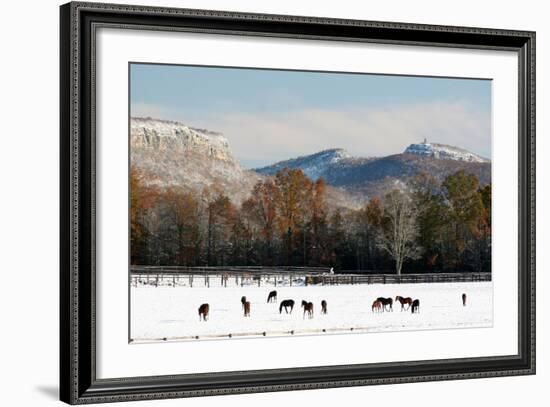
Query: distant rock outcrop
pixel 168 135
pixel 444 152
pixel 173 154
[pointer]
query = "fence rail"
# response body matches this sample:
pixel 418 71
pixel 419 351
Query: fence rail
pixel 268 277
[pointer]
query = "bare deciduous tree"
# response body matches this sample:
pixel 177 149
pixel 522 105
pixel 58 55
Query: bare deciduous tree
pixel 400 232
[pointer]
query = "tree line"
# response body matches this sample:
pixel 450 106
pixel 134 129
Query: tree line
pixel 428 226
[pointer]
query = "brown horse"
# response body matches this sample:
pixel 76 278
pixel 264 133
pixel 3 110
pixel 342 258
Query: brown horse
pixel 386 301
pixel 272 296
pixel 415 307
pixel 376 306
pixel 308 307
pixel 323 307
pixel 464 299
pixel 243 300
pixel 286 304
pixel 246 307
pixel 404 301
pixel 204 310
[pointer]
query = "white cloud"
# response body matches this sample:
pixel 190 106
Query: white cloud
pixel 362 132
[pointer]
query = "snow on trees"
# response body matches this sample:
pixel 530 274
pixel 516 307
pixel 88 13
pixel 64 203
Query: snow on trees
pixel 400 229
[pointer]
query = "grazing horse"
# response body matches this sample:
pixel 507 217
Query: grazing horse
pixel 308 307
pixel 286 304
pixel 386 301
pixel 243 300
pixel 376 306
pixel 204 309
pixel 246 307
pixel 404 301
pixel 272 296
pixel 323 307
pixel 464 299
pixel 415 307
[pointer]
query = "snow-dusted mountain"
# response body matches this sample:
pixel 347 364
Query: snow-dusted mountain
pixel 314 165
pixel 444 152
pixel 164 135
pixel 173 154
pixel 370 176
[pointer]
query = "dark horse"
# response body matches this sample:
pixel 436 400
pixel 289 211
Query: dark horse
pixel 464 299
pixel 404 301
pixel 272 296
pixel 246 307
pixel 323 307
pixel 243 300
pixel 384 302
pixel 308 307
pixel 415 307
pixel 204 309
pixel 286 304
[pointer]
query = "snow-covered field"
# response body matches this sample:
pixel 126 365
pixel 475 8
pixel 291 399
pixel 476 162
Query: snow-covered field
pixel 171 313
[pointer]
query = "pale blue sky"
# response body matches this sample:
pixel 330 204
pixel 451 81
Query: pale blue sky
pixel 269 115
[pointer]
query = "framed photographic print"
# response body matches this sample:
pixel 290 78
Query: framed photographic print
pixel 255 203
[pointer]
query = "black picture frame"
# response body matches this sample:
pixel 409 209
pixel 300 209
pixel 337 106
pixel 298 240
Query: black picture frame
pixel 78 382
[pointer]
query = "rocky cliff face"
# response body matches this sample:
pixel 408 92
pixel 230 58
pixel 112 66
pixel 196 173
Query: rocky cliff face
pixel 161 135
pixel 173 154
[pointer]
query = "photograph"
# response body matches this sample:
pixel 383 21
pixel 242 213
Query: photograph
pixel 290 198
pixel 269 202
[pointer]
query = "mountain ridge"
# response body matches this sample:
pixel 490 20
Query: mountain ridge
pixel 174 154
pixel 375 175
